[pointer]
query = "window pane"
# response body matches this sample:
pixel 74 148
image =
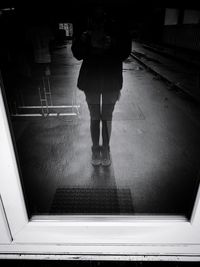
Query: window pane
pixel 191 17
pixel 72 159
pixel 171 16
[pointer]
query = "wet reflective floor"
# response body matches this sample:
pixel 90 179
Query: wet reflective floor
pixel 155 148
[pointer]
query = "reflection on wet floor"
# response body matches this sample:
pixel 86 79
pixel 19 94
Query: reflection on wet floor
pixel 154 148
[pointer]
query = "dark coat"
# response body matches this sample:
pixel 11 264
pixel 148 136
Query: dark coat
pixel 101 70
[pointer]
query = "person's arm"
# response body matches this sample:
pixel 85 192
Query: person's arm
pixel 81 46
pixel 121 43
pixel 123 46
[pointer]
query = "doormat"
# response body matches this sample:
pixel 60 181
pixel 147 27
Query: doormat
pixel 92 201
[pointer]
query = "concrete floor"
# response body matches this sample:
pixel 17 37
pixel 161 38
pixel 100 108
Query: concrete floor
pixel 155 144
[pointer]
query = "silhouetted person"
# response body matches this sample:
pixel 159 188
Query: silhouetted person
pixel 102 47
pixel 40 35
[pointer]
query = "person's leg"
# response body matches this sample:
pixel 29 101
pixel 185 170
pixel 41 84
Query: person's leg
pixel 106 128
pixel 108 103
pixel 93 101
pixel 95 132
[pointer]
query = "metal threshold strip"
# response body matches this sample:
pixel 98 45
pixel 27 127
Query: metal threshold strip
pixel 39 107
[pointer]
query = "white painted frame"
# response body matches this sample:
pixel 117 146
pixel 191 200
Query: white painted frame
pixel 86 237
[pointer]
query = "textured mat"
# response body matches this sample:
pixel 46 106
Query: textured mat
pixel 92 201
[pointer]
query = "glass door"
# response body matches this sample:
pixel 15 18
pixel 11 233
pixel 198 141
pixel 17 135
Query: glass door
pixel 51 190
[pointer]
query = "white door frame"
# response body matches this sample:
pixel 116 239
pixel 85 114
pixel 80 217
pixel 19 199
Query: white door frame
pixel 147 237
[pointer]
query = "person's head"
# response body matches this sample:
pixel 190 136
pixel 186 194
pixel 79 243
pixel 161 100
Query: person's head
pixel 97 16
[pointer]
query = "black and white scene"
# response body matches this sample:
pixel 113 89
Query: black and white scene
pixel 103 104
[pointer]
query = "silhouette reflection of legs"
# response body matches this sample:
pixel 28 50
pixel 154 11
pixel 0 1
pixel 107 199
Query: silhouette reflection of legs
pixel 95 132
pixel 101 106
pixel 106 115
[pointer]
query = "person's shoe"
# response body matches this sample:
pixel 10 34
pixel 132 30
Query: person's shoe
pixel 96 157
pixel 105 157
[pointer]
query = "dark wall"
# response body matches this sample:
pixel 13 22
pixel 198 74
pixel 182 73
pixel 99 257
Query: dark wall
pixel 182 35
pixel 185 36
